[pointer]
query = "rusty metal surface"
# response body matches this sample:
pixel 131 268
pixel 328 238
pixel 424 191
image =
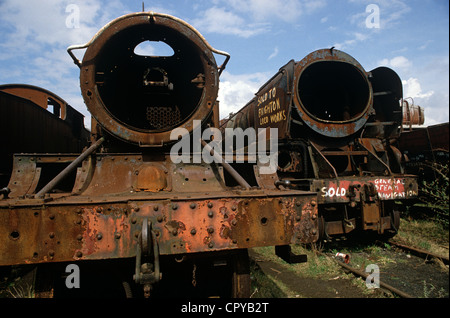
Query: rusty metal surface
pixel 123 197
pixel 53 103
pixel 270 108
pixel 322 93
pixel 82 227
pixel 412 115
pixel 338 133
pixel 39 96
pixel 31 172
pixel 30 128
pixel 431 138
pixel 387 104
pixel 345 190
pixel 318 86
pixel 327 94
pixel 100 215
pixel 425 147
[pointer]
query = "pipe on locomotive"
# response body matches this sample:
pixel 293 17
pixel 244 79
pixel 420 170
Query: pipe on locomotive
pixel 140 99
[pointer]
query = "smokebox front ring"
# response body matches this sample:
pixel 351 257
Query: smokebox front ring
pixel 113 106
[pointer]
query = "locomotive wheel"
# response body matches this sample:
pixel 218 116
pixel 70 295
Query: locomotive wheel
pixel 241 284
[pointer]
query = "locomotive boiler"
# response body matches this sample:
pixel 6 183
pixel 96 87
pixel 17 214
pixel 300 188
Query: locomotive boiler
pixel 338 127
pixel 134 215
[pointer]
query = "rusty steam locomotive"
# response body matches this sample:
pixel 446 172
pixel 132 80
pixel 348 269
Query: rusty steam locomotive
pixel 127 212
pixel 338 129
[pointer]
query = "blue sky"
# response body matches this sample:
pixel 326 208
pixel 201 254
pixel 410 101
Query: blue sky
pixel 411 37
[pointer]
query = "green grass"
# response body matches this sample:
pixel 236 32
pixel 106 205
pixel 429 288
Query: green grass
pixel 422 233
pixel 263 286
pixel 425 234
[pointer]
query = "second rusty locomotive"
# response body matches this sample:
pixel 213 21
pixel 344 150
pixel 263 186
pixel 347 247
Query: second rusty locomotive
pixel 338 126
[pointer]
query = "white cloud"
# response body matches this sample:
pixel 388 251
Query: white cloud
pixel 274 53
pixel 264 10
pixel 246 18
pixel 356 38
pixel 222 21
pixel 48 23
pixel 311 6
pixel 398 62
pixel 436 107
pixel 412 88
pixel 428 85
pixel 236 90
pixel 425 45
pixel 434 103
pixel 392 12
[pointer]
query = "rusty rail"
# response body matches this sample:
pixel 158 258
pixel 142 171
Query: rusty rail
pixel 420 253
pixel 382 284
pixel 364 275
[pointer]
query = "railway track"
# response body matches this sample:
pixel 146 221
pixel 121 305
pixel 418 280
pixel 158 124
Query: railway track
pixel 423 254
pixel 366 275
pixel 420 252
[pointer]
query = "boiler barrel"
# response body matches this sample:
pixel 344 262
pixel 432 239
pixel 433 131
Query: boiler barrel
pixel 327 94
